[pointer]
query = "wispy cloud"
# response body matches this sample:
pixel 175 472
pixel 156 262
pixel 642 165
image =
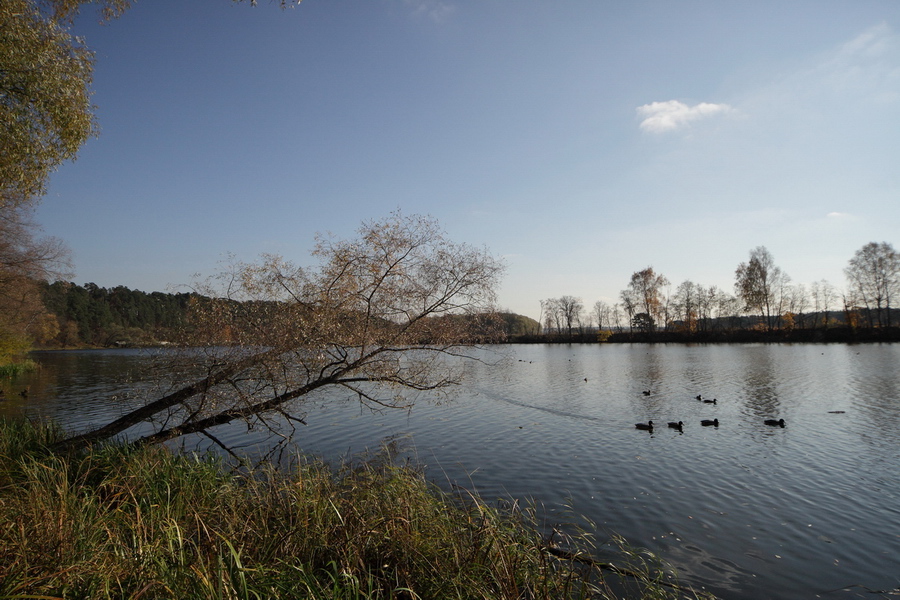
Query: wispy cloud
pixel 436 10
pixel 660 117
pixel 865 66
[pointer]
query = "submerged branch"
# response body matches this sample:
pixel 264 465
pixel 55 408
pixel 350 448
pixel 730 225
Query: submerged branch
pixel 592 562
pixel 174 399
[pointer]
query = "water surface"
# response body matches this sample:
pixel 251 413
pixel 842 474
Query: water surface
pixel 744 510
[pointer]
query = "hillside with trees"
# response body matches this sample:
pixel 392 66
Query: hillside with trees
pixel 96 316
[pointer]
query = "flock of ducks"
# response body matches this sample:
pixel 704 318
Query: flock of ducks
pixel 648 426
pixel 23 393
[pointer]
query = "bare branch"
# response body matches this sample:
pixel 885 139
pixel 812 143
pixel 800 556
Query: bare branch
pixel 396 308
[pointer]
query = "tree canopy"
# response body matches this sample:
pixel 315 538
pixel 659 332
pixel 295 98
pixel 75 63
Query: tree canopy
pixel 46 113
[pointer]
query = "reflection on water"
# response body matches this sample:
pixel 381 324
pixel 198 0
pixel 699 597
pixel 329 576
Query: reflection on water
pixel 744 510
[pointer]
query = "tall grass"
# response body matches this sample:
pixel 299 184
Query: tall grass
pixel 13 369
pixel 116 522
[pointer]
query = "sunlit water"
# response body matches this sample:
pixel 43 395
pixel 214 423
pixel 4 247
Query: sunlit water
pixel 743 510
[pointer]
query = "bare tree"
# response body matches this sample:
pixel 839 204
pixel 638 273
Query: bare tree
pixel 552 312
pixel 823 296
pixel 617 316
pixel 687 305
pixel 797 304
pixel 873 275
pixel 629 305
pixel 760 284
pixel 571 309
pixel 542 316
pixel 395 309
pixel 603 314
pixel 727 307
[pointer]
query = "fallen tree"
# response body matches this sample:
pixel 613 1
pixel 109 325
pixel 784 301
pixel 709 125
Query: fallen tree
pixel 378 317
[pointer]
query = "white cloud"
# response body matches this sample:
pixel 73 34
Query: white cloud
pixel 660 117
pixel 436 10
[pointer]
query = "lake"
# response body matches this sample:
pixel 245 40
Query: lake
pixel 743 510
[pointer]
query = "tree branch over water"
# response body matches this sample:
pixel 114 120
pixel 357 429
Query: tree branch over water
pixel 397 308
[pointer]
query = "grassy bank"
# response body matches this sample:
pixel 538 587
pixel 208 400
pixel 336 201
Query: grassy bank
pixel 124 523
pixel 14 369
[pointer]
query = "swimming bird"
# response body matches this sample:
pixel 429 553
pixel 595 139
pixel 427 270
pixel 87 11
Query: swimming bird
pixel 646 392
pixel 679 425
pixel 648 426
pixel 774 423
pixel 707 422
pixel 713 401
pixel 700 397
pixel 24 393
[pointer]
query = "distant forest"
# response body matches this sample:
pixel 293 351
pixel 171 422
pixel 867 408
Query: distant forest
pixel 766 307
pixel 94 316
pixel 91 315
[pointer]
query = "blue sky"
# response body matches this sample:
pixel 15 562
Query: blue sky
pixel 580 140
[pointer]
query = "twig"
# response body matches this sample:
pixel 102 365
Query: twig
pixel 221 445
pixel 893 592
pixel 588 560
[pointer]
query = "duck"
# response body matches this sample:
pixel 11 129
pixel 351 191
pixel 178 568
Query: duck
pixel 24 393
pixel 646 392
pixel 708 422
pixel 699 397
pixel 713 401
pixel 648 426
pixel 775 423
pixel 679 425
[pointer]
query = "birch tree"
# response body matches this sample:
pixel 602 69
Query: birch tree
pixel 759 283
pixel 644 295
pixel 873 276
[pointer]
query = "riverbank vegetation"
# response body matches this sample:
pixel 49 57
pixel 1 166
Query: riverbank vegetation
pixel 118 521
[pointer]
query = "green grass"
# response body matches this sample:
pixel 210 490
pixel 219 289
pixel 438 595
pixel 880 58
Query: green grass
pixel 13 369
pixel 116 522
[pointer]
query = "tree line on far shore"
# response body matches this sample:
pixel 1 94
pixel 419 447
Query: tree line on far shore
pixel 766 305
pixel 765 301
pixel 97 316
pixel 75 315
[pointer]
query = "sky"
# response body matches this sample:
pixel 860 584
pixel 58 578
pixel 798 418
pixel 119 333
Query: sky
pixel 579 140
